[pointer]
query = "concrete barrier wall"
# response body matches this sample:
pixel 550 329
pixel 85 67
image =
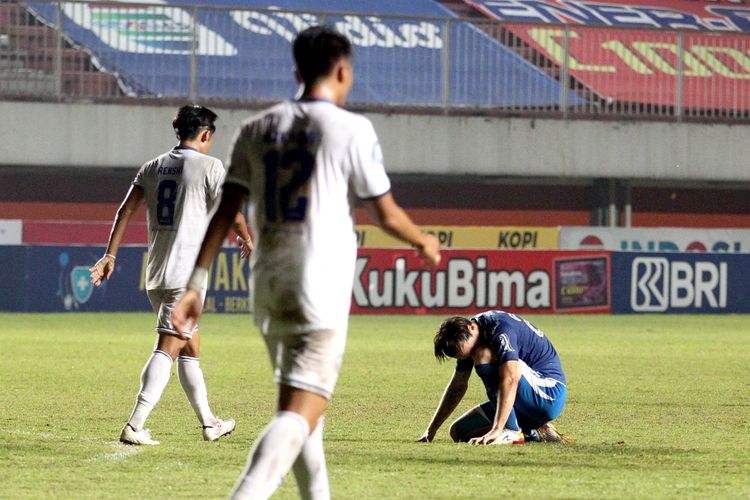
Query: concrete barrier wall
pixel 96 135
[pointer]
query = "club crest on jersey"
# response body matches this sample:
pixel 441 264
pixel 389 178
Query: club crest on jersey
pixel 505 343
pixel 80 284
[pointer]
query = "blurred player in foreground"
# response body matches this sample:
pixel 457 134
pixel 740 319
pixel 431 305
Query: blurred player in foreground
pixel 180 188
pixel 302 162
pixel 522 376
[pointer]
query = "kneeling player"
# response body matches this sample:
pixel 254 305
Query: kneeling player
pixel 522 376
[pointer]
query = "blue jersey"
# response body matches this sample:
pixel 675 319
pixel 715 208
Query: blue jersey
pixel 510 337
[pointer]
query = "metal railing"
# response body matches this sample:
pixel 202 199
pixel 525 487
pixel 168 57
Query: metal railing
pixel 221 54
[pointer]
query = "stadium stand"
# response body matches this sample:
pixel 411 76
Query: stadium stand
pixel 114 50
pixel 29 59
pixel 655 57
pixel 646 59
pixel 243 55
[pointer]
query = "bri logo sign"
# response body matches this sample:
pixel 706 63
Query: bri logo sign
pixel 658 284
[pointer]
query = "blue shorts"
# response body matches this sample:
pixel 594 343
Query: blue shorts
pixel 539 399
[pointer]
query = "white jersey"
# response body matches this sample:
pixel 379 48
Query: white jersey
pixel 181 188
pixel 302 163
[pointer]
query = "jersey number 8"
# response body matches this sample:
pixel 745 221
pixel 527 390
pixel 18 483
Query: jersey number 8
pixel 165 202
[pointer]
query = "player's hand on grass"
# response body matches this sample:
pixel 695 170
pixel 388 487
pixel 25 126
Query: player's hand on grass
pixel 102 270
pixel 246 246
pixel 488 438
pixel 429 251
pixel 427 437
pixel 186 313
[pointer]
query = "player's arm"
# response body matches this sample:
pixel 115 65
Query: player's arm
pixel 452 395
pixel 510 374
pixel 188 309
pixel 394 221
pixel 244 240
pixel 105 266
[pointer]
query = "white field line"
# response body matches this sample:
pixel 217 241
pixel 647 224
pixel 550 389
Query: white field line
pixel 120 451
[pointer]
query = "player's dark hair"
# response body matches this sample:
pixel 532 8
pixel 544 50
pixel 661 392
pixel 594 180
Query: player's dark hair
pixel 191 120
pixel 317 50
pixel 449 336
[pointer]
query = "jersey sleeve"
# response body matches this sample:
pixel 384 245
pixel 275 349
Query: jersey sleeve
pixel 214 180
pixel 238 162
pixel 139 177
pixel 504 345
pixel 369 179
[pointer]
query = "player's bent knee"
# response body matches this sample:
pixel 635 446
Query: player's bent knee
pixel 455 433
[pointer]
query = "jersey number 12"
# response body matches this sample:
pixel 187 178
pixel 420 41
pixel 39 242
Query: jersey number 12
pixel 282 198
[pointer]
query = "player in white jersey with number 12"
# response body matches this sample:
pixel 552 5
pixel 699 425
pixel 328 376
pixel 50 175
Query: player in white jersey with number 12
pixel 301 163
pixel 180 188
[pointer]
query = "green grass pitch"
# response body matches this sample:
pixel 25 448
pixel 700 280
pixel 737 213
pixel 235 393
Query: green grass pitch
pixel 658 405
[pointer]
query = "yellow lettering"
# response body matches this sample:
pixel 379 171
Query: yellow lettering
pixel 210 277
pixel 361 234
pixel 649 50
pixel 210 304
pixel 144 269
pixel 627 56
pixel 709 57
pixel 444 237
pixel 546 38
pixel 239 280
pixel 236 304
pixel 221 278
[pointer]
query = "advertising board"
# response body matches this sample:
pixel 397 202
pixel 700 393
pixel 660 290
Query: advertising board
pixel 655 239
pixel 469 237
pixel 393 281
pixel 11 232
pixel 60 280
pixel 680 283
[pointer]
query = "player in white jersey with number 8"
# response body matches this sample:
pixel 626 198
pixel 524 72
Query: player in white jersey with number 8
pixel 302 162
pixel 180 188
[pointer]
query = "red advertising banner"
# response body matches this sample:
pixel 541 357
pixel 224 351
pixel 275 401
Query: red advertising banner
pixel 467 281
pixel 709 15
pixel 640 66
pixel 629 52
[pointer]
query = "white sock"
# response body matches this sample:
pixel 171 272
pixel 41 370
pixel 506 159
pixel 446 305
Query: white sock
pixel 310 469
pixel 191 378
pixel 154 379
pixel 272 456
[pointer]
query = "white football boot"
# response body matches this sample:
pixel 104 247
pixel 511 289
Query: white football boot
pixel 509 436
pixel 219 429
pixel 141 437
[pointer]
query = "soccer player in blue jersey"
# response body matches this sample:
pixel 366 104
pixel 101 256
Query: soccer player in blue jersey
pixel 522 376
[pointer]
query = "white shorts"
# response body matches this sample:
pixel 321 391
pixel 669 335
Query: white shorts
pixel 163 301
pixel 309 361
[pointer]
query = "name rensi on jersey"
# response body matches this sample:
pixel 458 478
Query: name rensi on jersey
pixel 169 170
